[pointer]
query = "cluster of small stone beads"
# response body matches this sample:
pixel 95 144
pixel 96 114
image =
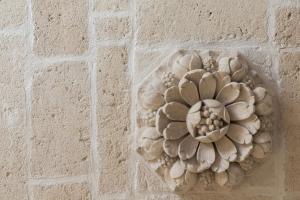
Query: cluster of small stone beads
pixel 209 121
pixel 210 65
pixel 149 117
pixel 168 79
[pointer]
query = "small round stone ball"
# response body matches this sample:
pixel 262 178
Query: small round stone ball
pixel 213 116
pixel 205 113
pixel 208 121
pixel 211 127
pixel 216 122
pixel 204 128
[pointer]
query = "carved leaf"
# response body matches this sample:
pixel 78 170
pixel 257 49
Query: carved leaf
pixel 226 149
pixel 188 91
pixel 206 154
pixel 151 133
pixel 175 130
pixel 262 137
pixel 172 94
pixel 246 94
pixel 187 148
pixel 259 93
pixel 239 134
pixel 239 74
pixel 240 110
pixel 267 147
pixel 229 93
pixel 224 65
pixel 235 174
pixel 161 121
pixel 207 86
pixel 155 150
pixel 220 164
pixel 175 111
pixel 177 170
pixel 243 150
pixel 252 123
pixel 258 151
pixel 194 75
pixel 178 69
pixel 171 147
pixel 222 79
pixel 221 178
pixel 264 107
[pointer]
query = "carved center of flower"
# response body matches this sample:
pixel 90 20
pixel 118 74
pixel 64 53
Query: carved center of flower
pixel 206 121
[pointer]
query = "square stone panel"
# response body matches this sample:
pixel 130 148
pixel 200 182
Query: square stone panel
pixel 61 27
pixel 60 120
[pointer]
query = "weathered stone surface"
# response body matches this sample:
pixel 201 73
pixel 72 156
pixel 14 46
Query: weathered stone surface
pixel 163 20
pixel 112 28
pixel 113 118
pixel 290 87
pixel 112 5
pixel 61 120
pixel 292 197
pixel 207 196
pixel 75 191
pixel 12 13
pixel 60 27
pixel 148 181
pixel 13 166
pixel 287 27
pixel 292 166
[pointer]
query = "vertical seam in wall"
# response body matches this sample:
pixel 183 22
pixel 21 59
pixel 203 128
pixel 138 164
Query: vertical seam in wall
pixel 94 162
pixel 28 89
pixel 131 65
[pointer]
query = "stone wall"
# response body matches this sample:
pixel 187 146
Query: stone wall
pixel 68 74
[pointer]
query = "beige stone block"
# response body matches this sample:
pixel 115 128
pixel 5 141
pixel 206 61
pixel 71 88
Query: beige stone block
pixel 289 74
pixel 75 191
pixel 207 196
pixel 164 20
pixel 112 28
pixel 12 13
pixel 61 120
pixel 292 162
pixel 13 166
pixel 287 33
pixel 148 181
pixel 113 89
pixel 61 27
pixel 111 5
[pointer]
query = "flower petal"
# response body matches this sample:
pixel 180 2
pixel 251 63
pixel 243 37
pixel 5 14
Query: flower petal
pixel 173 94
pixel 175 130
pixel 218 109
pixel 252 123
pixel 192 120
pixel 239 134
pixel 213 136
pixel 161 121
pixel 206 154
pixel 220 164
pixel 155 150
pixel 240 110
pixel 177 170
pixel 188 91
pixel 262 137
pixel 151 133
pixel 222 79
pixel 171 147
pixel 207 86
pixel 188 147
pixel 226 149
pixel 246 94
pixel 194 75
pixel 221 178
pixel 229 93
pixel 224 65
pixel 243 150
pixel 175 111
pixel 239 74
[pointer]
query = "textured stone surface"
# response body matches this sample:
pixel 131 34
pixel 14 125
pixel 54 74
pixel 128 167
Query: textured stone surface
pixel 60 27
pixel 292 166
pixel 207 197
pixel 60 120
pixel 13 168
pixel 113 118
pixel 163 20
pixel 112 5
pixel 112 28
pixel 76 191
pixel 287 27
pixel 148 181
pixel 290 87
pixel 12 13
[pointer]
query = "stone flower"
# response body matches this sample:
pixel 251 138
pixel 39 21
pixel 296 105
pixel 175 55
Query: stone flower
pixel 207 118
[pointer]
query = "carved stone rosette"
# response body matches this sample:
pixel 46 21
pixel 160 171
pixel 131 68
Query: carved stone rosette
pixel 203 117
